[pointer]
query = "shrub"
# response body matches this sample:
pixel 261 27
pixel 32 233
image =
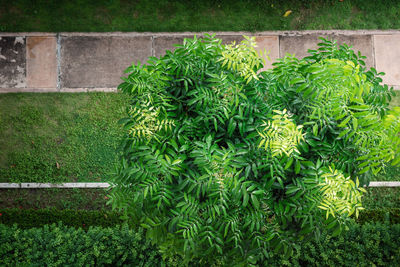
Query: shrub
pixel 26 219
pixel 223 163
pixel 387 215
pixel 367 245
pixel 59 245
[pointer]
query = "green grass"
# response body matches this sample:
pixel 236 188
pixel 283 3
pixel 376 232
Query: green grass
pixel 63 137
pixel 81 199
pixel 202 15
pixel 59 137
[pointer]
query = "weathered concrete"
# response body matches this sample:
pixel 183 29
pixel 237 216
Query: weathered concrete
pixel 84 62
pixel 99 61
pixel 163 43
pixel 60 90
pixel 10 185
pixel 299 44
pixel 65 185
pixel 41 62
pixel 387 57
pixel 88 90
pixel 271 45
pixel 228 39
pixel 385 184
pixel 12 62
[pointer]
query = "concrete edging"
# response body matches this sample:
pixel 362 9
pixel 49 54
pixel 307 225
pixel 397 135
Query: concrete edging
pixel 107 185
pixel 50 185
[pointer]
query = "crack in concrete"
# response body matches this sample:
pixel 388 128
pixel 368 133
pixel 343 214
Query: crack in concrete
pixel 58 60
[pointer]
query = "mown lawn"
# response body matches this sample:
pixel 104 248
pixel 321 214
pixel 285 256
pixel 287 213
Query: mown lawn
pixel 202 15
pixel 67 137
pixel 59 137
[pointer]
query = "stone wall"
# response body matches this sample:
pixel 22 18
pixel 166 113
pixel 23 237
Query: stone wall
pixel 80 62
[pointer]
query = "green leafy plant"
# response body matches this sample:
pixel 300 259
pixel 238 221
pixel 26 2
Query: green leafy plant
pixel 225 164
pixel 60 245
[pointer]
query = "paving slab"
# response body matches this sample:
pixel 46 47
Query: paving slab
pixel 299 44
pixel 41 62
pixel 12 62
pixel 271 45
pixel 90 61
pixel 229 39
pixel 387 57
pixel 163 43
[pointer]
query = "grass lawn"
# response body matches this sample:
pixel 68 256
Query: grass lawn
pixel 202 15
pixel 59 198
pixel 59 137
pixel 67 137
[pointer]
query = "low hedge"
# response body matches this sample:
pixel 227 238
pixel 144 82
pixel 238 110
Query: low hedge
pixel 29 218
pixel 362 245
pixel 60 245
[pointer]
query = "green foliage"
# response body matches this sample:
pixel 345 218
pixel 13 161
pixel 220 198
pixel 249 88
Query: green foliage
pixel 60 245
pixel 379 197
pixel 281 135
pixel 242 58
pixel 33 218
pixel 340 194
pixel 366 245
pixel 224 164
pixel 340 99
pixel 383 215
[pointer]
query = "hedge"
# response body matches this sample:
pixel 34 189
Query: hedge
pixel 362 245
pixel 60 245
pixel 29 218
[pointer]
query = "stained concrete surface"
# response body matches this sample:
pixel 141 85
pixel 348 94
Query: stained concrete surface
pixel 88 61
pixel 271 45
pixel 163 43
pixel 41 64
pixel 96 61
pixel 387 56
pixel 12 62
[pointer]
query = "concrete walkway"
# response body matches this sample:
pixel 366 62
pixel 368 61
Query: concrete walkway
pixel 80 62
